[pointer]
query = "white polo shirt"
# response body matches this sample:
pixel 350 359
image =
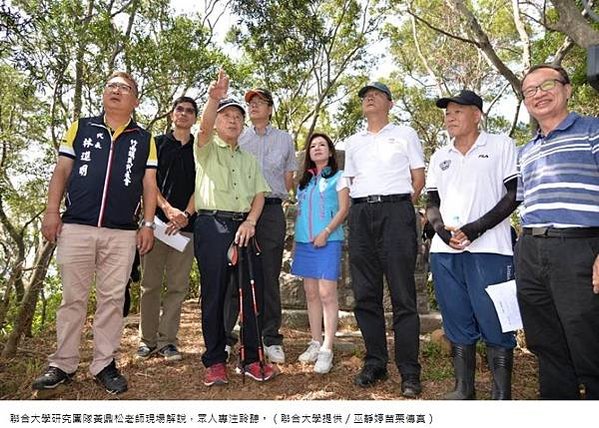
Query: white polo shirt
pixel 380 163
pixel 470 185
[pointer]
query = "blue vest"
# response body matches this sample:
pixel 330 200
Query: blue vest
pixel 317 205
pixel 106 183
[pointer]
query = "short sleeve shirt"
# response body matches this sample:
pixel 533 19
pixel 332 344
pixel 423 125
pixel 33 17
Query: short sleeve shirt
pixel 470 185
pixel 381 163
pixel 227 179
pixel 559 175
pixel 275 154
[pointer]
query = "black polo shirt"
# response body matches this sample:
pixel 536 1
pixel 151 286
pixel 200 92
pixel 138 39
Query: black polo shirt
pixel 176 174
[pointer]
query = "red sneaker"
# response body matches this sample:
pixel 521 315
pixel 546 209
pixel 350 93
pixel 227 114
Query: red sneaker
pixel 268 371
pixel 216 374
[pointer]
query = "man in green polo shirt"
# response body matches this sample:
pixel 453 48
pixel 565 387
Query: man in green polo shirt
pixel 229 197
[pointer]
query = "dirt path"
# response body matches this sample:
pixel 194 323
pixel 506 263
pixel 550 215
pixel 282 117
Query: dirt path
pixel 154 379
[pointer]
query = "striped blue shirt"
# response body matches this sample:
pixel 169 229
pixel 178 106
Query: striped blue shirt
pixel 558 180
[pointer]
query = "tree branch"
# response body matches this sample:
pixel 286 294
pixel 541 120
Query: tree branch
pixel 484 44
pixel 438 30
pixel 573 23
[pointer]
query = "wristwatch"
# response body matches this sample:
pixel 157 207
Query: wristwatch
pixel 186 214
pixel 146 223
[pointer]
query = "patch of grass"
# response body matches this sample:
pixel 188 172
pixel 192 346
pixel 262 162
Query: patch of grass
pixel 436 364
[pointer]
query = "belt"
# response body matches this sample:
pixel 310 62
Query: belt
pixel 229 215
pixel 377 199
pixel 273 201
pixel 570 232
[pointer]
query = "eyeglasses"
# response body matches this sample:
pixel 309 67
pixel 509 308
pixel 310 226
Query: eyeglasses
pixel 122 87
pixel 257 103
pixel 547 85
pixel 188 110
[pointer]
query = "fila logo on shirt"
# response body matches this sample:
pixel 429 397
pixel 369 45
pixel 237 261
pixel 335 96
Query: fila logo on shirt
pixel 484 156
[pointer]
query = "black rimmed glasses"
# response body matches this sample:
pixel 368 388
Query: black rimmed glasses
pixel 547 85
pixel 122 87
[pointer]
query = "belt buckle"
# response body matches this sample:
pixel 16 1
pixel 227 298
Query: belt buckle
pixel 374 199
pixel 238 217
pixel 540 231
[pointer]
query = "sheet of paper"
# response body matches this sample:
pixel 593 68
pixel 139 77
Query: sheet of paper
pixel 504 298
pixel 177 241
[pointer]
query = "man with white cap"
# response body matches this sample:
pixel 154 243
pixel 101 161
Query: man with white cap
pixel 229 196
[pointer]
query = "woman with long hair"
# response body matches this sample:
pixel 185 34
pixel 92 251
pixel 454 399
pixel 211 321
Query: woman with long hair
pixel 323 204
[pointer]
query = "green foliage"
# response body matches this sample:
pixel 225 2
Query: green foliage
pixel 438 364
pixel 45 313
pixel 311 67
pixel 53 63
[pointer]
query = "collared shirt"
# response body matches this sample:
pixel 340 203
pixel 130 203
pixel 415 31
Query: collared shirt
pixel 275 154
pixel 381 163
pixel 559 175
pixel 470 185
pixel 226 179
pixel 105 186
pixel 176 173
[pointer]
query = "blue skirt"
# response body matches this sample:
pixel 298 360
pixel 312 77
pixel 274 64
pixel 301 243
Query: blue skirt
pixel 317 263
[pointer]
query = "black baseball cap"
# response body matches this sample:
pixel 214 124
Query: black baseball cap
pixel 262 93
pixel 230 102
pixel 375 85
pixel 465 98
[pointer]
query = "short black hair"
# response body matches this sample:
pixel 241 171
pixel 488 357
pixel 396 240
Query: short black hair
pixel 185 99
pixel 555 67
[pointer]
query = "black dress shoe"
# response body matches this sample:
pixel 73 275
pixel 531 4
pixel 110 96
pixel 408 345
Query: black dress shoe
pixel 370 374
pixel 410 386
pixel 111 379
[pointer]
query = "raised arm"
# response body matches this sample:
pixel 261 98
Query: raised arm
pixel 217 91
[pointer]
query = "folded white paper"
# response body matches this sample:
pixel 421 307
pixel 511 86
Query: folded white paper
pixel 177 241
pixel 504 298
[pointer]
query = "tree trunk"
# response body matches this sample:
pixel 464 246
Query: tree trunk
pixel 27 308
pixel 573 23
pixel 5 303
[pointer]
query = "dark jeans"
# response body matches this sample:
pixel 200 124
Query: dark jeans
pixel 382 241
pixel 460 286
pixel 560 312
pixel 270 234
pixel 212 238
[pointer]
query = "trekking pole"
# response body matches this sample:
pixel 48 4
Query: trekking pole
pixel 236 259
pixel 250 258
pixel 241 315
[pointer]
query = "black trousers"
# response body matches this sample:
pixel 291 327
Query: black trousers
pixel 270 234
pixel 212 238
pixel 560 313
pixel 382 242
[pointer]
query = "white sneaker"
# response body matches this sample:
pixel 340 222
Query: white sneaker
pixel 275 354
pixel 311 353
pixel 229 351
pixel 324 362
